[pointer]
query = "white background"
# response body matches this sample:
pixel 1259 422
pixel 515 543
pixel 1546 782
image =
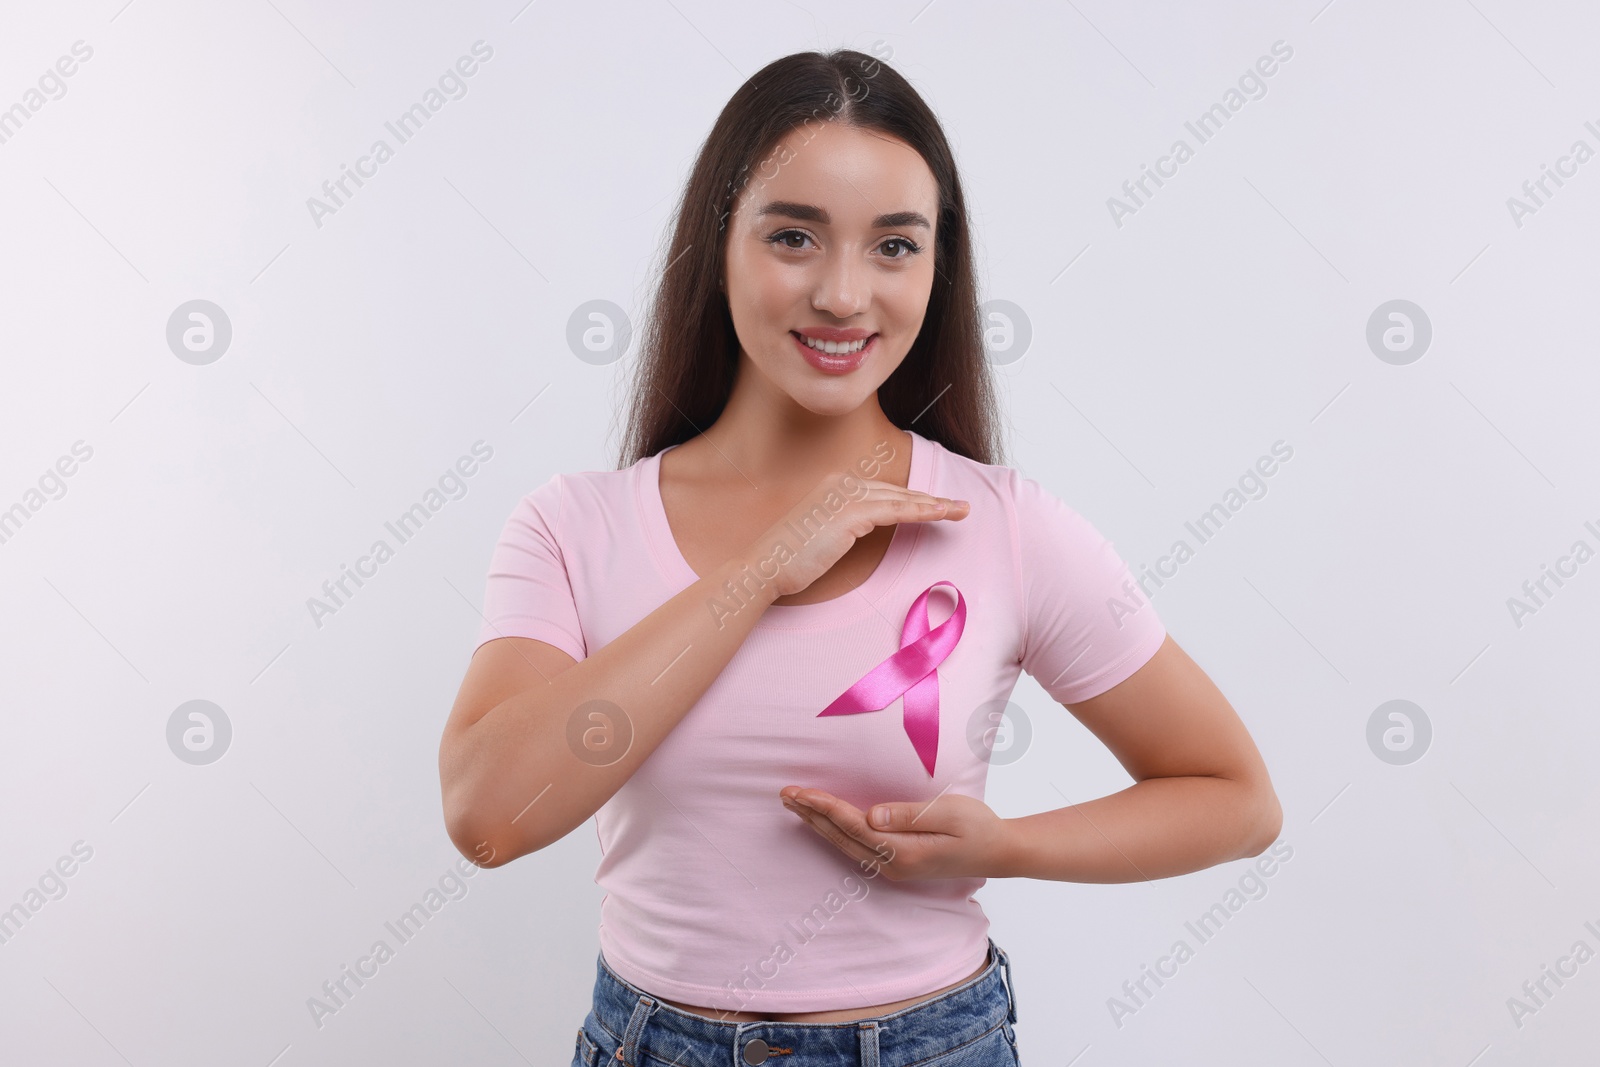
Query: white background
pixel 430 311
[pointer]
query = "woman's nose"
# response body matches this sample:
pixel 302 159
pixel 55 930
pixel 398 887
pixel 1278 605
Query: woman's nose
pixel 841 288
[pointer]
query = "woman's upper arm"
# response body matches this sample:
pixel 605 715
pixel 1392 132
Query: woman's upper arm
pixel 530 630
pixel 1086 622
pixel 499 670
pixel 1168 719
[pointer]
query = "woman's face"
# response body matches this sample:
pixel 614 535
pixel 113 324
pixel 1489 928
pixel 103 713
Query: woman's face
pixel 832 237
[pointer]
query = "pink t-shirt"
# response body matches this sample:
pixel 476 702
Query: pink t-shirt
pixel 715 895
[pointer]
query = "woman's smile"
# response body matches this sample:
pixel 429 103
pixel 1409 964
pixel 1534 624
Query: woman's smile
pixel 845 356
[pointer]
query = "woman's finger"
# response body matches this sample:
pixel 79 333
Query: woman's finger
pixel 889 491
pixel 831 832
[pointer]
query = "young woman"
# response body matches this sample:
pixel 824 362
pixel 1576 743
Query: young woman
pixel 802 599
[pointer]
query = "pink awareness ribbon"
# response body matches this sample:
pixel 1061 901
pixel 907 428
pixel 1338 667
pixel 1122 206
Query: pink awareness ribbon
pixel 910 672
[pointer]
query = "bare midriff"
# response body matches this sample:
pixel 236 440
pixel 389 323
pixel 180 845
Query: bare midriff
pixel 839 1015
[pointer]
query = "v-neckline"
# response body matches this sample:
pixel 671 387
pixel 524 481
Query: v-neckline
pixel 851 604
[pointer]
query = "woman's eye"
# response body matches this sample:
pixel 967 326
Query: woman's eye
pixel 904 249
pixel 784 237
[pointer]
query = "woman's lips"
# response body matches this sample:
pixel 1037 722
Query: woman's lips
pixel 843 363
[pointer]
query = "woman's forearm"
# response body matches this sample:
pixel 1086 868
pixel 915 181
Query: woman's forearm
pixel 647 678
pixel 1155 828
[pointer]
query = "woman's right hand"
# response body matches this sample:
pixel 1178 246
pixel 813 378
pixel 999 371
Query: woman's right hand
pixel 868 504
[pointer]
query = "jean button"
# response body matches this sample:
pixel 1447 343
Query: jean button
pixel 755 1052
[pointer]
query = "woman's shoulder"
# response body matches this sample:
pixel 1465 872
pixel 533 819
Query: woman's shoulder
pixel 594 479
pixel 1025 501
pixel 564 496
pixel 959 476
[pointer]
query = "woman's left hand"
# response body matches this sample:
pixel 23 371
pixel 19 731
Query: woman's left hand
pixel 953 836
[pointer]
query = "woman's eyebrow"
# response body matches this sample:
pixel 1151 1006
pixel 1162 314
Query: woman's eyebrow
pixel 812 213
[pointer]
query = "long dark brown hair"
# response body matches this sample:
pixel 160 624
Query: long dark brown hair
pixel 688 348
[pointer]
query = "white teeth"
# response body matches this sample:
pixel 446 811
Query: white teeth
pixel 835 348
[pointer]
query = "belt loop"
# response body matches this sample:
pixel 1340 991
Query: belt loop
pixel 1011 996
pixel 869 1042
pixel 628 1052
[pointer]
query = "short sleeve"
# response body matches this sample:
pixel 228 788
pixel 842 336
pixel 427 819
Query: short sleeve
pixel 1086 624
pixel 529 593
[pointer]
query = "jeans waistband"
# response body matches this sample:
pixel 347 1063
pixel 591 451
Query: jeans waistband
pixel 909 1035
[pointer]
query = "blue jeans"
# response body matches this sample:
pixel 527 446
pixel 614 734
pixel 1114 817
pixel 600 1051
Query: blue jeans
pixel 968 1026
